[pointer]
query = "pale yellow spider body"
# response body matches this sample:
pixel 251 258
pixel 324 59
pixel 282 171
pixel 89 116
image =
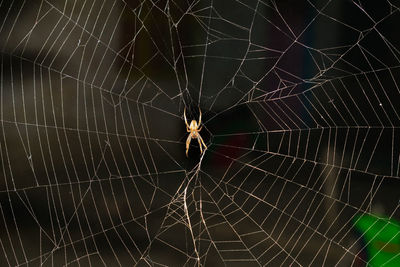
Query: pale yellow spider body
pixel 193 129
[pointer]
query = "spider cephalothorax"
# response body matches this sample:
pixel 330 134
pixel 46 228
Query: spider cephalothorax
pixel 194 130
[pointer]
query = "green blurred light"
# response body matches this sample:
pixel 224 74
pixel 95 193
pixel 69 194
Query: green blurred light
pixel 382 236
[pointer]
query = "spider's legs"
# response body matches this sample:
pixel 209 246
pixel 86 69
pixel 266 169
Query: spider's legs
pixel 184 115
pixel 200 117
pixel 201 142
pixel 188 143
pixel 200 145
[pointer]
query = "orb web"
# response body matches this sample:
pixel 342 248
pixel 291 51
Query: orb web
pixel 301 120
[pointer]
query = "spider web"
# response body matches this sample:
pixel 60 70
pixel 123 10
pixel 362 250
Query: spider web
pixel 301 119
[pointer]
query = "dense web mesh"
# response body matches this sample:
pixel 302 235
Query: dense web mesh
pixel 301 115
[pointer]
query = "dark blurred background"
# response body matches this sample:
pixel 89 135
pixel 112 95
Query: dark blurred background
pixel 299 102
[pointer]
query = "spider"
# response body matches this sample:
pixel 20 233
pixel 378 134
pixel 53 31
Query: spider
pixel 194 130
